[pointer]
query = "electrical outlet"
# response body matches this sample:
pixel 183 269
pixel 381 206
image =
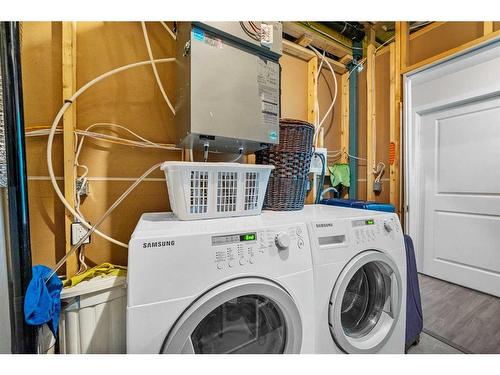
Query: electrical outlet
pixel 316 164
pixel 77 233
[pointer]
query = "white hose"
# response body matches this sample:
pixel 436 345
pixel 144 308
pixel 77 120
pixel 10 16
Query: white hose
pixel 101 219
pixel 169 30
pixel 53 129
pixel 334 95
pixel 153 65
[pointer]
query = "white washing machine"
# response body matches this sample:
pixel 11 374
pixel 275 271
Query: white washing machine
pixel 359 267
pixel 232 285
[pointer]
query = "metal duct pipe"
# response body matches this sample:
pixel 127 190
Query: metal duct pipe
pixel 23 336
pixel 351 30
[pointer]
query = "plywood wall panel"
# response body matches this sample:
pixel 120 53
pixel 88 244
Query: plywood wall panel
pixel 36 156
pixel 496 26
pixel 131 98
pixel 41 69
pixel 326 92
pixel 443 38
pixel 293 88
pixel 46 222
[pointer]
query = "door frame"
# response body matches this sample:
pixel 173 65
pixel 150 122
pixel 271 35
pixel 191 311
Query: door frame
pixel 412 189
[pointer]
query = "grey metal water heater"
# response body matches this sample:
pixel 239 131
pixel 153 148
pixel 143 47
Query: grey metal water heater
pixel 228 85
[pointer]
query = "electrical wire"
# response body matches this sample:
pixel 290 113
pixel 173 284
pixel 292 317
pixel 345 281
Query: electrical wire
pixel 153 65
pixel 83 178
pixel 240 154
pixel 254 27
pixel 250 33
pixel 53 129
pixel 174 37
pixel 360 63
pixel 101 219
pixel 379 171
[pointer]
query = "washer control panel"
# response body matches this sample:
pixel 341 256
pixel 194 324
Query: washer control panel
pixel 244 249
pixel 366 231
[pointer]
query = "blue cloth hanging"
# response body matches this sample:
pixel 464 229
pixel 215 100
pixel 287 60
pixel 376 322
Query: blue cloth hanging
pixel 42 303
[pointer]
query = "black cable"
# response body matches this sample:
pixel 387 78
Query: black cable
pixel 248 32
pixel 205 152
pixel 319 190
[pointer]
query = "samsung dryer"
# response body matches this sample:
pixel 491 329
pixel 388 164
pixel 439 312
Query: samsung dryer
pixel 359 280
pixel 231 285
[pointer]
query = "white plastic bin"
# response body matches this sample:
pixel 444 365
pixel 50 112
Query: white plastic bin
pixel 212 190
pixel 93 317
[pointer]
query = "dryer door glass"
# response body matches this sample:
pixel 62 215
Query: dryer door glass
pixel 247 324
pixel 365 303
pixel 364 300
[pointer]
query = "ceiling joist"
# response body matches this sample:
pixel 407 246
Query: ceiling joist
pixel 306 36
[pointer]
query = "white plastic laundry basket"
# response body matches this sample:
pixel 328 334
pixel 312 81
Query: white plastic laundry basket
pixel 211 190
pixel 93 317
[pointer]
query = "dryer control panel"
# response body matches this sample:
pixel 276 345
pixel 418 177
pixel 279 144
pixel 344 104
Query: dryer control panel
pixel 244 249
pixel 366 231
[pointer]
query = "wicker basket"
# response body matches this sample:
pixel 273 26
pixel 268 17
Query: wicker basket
pixel 287 186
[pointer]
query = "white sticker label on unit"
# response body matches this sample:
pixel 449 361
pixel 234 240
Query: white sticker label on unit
pixel 266 33
pixel 268 80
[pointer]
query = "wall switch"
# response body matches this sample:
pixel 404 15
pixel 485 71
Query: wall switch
pixel 77 232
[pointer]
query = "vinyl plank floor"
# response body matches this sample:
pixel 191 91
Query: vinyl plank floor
pixel 431 345
pixel 467 318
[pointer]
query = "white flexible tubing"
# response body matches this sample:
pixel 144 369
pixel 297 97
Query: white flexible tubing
pixel 153 65
pixel 334 96
pixel 53 129
pixel 102 218
pixel 169 30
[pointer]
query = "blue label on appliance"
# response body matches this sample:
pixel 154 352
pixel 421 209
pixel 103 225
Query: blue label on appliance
pixel 198 34
pixel 273 136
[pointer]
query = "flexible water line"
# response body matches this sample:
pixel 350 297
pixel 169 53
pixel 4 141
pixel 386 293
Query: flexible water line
pixel 53 129
pixel 334 96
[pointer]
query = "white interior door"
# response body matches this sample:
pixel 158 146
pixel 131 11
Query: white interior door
pixel 453 168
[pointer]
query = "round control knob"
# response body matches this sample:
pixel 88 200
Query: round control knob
pixel 387 227
pixel 300 243
pixel 282 240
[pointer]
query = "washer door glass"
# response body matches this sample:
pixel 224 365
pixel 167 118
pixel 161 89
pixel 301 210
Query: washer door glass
pixel 364 300
pixel 245 315
pixel 247 324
